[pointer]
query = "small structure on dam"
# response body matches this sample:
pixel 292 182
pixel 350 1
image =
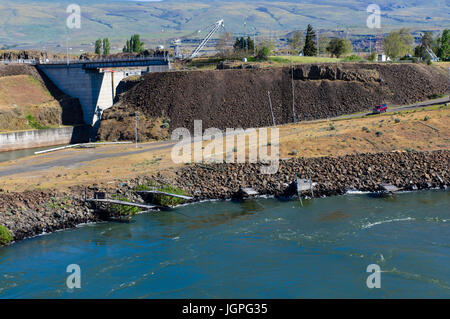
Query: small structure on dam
pixel 94 82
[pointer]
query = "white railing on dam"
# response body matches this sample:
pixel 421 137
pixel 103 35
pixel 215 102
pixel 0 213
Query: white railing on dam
pixel 18 61
pixel 108 60
pixel 76 61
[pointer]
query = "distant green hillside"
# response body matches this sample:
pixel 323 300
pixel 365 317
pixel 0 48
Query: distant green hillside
pixel 42 24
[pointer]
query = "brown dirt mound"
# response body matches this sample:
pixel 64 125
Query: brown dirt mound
pixel 239 98
pixel 19 92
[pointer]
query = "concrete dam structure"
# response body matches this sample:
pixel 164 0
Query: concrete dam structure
pixel 94 83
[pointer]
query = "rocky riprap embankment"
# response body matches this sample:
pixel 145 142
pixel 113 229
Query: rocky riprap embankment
pixel 31 213
pixel 333 175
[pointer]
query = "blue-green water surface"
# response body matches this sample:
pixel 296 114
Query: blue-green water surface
pixel 262 248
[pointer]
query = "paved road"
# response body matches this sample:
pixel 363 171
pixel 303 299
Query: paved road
pixel 74 158
pixel 69 158
pixel 401 108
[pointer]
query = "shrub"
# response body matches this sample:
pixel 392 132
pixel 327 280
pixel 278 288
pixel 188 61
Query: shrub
pixel 263 53
pixel 378 133
pixel 426 118
pixel 5 235
pixel 435 96
pixel 33 123
pixel 293 152
pixel 124 210
pixel 164 200
pixel 397 120
pixel 352 58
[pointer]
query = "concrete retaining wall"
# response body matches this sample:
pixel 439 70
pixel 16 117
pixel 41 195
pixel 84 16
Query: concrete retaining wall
pixel 37 138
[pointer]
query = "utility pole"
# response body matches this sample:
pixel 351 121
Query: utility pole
pixel 271 109
pixel 318 45
pixel 136 115
pixel 67 50
pixel 293 96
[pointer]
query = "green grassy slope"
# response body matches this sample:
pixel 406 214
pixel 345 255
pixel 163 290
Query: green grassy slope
pixel 43 23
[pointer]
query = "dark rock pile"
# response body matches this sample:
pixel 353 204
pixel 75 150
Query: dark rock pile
pixel 333 175
pixel 238 98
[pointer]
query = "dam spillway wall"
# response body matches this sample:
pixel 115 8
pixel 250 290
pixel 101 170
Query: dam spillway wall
pixel 95 83
pixel 94 89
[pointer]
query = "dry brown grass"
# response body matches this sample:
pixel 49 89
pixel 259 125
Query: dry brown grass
pixel 22 95
pixel 387 132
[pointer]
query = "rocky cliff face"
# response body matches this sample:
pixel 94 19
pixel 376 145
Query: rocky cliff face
pixel 239 98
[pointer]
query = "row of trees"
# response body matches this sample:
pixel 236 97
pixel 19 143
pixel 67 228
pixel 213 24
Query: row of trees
pixel 397 44
pixel 335 47
pixel 309 47
pixel 134 44
pixel 102 46
pixel 400 43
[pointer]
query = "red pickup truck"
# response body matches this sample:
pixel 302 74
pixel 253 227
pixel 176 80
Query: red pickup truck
pixel 380 109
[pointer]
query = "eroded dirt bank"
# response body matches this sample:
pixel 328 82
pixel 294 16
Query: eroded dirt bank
pixel 32 213
pixel 239 98
pixel 47 104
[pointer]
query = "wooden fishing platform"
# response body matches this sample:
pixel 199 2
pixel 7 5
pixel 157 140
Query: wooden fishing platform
pixel 248 192
pixel 122 203
pixel 389 188
pixel 156 192
pixel 304 185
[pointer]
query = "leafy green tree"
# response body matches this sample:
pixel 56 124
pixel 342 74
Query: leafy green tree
pixel 296 42
pixel 427 40
pixel 310 48
pixel 250 45
pixel 106 46
pixel 137 45
pixel 419 51
pixel 398 43
pixel 98 46
pixel 134 44
pixel 265 50
pixel 443 51
pixel 126 48
pixel 243 45
pixel 323 44
pixel 263 53
pixel 339 46
pixel 239 44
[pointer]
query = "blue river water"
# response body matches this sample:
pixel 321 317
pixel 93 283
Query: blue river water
pixel 263 248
